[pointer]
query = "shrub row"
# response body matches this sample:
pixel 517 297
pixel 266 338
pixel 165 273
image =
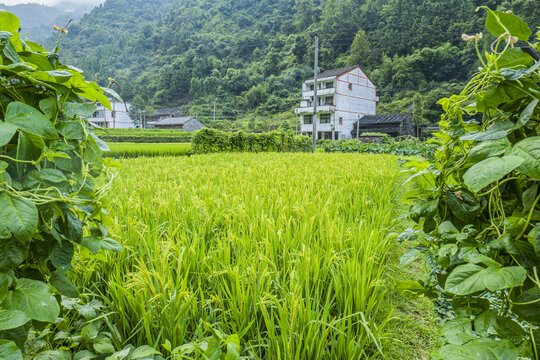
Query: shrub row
pixel 211 141
pixel 402 148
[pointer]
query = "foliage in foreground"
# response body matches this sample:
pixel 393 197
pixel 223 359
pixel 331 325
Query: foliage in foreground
pixel 271 247
pixel 49 203
pixel 406 147
pixel 211 141
pixel 126 150
pixel 481 218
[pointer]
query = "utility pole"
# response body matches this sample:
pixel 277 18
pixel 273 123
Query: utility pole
pixel 357 127
pixel 214 111
pixel 114 113
pixel 296 127
pixel 315 72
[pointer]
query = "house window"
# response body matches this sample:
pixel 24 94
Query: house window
pixel 311 87
pixel 99 114
pixel 340 120
pixel 325 118
pixel 350 86
pixel 308 119
pixel 329 100
pixel 329 85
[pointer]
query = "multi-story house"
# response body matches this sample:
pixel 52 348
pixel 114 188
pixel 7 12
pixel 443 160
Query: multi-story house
pixel 117 118
pixel 343 96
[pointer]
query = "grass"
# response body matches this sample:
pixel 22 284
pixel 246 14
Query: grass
pixel 289 251
pixel 126 149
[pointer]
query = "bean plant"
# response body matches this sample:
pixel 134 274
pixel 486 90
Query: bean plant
pixel 49 203
pixel 480 216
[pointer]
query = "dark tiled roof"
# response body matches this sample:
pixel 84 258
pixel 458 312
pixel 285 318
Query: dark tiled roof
pixel 384 119
pixel 168 111
pixel 335 72
pixel 174 121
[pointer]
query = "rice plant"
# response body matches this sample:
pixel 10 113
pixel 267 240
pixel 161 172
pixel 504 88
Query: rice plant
pixel 127 149
pixel 289 251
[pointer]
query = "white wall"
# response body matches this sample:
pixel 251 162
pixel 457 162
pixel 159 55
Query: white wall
pixel 122 120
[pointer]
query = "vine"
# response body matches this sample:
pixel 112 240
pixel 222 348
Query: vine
pixel 479 222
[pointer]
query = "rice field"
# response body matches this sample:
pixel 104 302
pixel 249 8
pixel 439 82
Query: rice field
pixel 288 251
pixel 127 149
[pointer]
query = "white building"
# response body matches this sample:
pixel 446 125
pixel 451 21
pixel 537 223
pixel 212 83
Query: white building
pixel 343 96
pixel 118 118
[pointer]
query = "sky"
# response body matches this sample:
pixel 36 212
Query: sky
pixel 52 2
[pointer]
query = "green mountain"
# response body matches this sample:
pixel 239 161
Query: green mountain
pixel 38 20
pixel 251 56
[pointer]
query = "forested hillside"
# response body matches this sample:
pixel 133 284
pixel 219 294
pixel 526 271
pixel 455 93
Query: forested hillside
pixel 38 20
pixel 251 56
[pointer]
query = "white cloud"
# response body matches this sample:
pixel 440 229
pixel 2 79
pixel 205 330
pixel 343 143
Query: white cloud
pixel 52 2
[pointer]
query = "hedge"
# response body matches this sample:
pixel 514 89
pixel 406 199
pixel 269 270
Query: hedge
pixel 211 141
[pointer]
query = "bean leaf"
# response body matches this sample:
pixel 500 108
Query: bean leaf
pixel 489 171
pixel 34 299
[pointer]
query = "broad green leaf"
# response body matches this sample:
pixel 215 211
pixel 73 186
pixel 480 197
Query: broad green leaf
pixel 498 130
pixel 110 244
pixel 489 171
pixel 62 254
pixel 54 76
pixel 87 355
pixel 410 288
pixel 63 285
pixel 458 331
pixel 49 107
pixel 7 131
pixel 71 130
pixel 526 114
pixel 424 209
pixel 102 145
pixel 463 204
pixel 5 283
pixel 502 93
pixel 10 52
pixel 509 329
pixel 79 109
pixel 465 279
pixel 19 217
pixel 8 349
pixel 514 57
pixel 53 355
pixel 9 22
pixel 103 345
pixel 144 351
pixel 528 197
pixel 498 23
pixel 480 350
pixel 30 119
pixel 11 254
pixel 502 278
pixel 470 278
pixel 526 305
pixel 484 321
pixel 410 256
pixel 34 299
pixel 52 175
pixel 11 319
pixel 529 150
pixel 489 148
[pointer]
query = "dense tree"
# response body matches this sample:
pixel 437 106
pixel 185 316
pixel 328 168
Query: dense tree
pixel 253 55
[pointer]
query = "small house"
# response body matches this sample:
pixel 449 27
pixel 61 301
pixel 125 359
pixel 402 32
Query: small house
pixel 181 123
pixel 392 124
